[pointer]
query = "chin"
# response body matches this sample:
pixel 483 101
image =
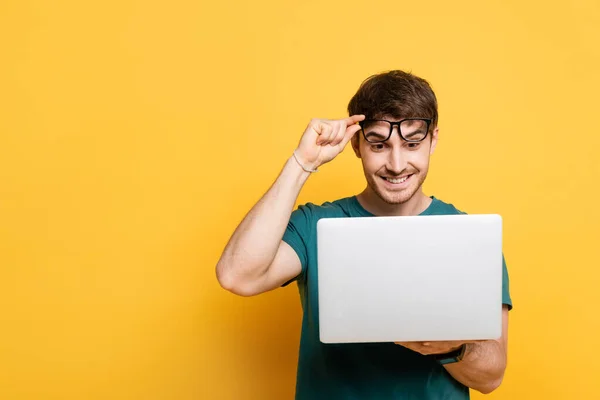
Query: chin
pixel 396 198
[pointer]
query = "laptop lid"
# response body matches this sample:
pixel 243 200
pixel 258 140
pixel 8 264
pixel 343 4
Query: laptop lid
pixel 413 278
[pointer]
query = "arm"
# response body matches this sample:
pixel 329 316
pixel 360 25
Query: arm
pixel 256 259
pixel 483 364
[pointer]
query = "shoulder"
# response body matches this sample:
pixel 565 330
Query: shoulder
pixel 330 209
pixel 441 207
pixel 303 221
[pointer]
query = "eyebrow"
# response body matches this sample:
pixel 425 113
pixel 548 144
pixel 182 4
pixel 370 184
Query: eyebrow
pixel 372 133
pixel 413 133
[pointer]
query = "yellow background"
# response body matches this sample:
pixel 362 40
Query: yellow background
pixel 135 135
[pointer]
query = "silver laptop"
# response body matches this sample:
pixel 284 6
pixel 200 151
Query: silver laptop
pixel 417 278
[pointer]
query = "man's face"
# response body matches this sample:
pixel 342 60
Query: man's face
pixel 395 169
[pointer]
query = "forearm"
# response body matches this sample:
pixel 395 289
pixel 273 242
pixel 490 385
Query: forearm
pixel 482 367
pixel 254 243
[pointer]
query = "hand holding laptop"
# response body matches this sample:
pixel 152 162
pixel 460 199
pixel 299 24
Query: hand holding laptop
pixel 435 347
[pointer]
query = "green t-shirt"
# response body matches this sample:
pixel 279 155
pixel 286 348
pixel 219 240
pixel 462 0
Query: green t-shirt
pixel 363 370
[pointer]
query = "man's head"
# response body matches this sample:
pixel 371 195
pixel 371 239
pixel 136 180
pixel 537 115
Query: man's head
pixel 395 168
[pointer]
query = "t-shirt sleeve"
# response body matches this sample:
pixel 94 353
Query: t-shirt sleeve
pixel 297 234
pixel 505 286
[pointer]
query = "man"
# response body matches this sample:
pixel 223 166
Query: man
pixel 396 115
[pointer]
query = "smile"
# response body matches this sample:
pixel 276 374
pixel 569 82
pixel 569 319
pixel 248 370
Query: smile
pixel 397 180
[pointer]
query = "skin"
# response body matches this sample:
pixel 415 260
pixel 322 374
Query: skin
pixel 256 260
pixel 394 159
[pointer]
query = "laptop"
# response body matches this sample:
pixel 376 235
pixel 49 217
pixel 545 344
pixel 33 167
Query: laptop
pixel 413 278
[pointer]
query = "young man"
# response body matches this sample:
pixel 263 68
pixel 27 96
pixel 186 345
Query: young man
pixel 395 114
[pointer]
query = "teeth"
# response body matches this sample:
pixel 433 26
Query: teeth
pixel 397 180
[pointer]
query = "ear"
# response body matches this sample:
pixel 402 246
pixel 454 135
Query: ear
pixel 355 141
pixel 434 140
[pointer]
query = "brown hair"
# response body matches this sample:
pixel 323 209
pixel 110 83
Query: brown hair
pixel 395 93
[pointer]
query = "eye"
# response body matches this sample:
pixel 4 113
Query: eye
pixel 377 146
pixel 413 145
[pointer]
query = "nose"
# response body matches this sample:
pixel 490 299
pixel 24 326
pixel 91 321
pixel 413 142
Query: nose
pixel 396 160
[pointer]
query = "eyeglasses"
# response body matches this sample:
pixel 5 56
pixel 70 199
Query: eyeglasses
pixel 410 129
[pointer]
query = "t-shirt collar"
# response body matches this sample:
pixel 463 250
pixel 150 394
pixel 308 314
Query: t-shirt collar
pixel 361 211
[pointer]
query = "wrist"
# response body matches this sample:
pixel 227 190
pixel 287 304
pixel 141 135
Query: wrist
pixel 303 164
pixel 453 356
pixel 293 172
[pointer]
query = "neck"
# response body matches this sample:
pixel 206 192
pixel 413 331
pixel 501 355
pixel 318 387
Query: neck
pixel 376 206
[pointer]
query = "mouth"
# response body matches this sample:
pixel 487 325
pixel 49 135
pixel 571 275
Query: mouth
pixel 397 182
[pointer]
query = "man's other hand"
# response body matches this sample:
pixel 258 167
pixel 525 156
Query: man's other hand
pixel 433 347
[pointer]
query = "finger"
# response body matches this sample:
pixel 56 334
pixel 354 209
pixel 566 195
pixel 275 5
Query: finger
pixel 324 131
pixel 416 347
pixel 410 345
pixel 340 133
pixel 354 119
pixel 319 126
pixel 330 133
pixel 350 131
